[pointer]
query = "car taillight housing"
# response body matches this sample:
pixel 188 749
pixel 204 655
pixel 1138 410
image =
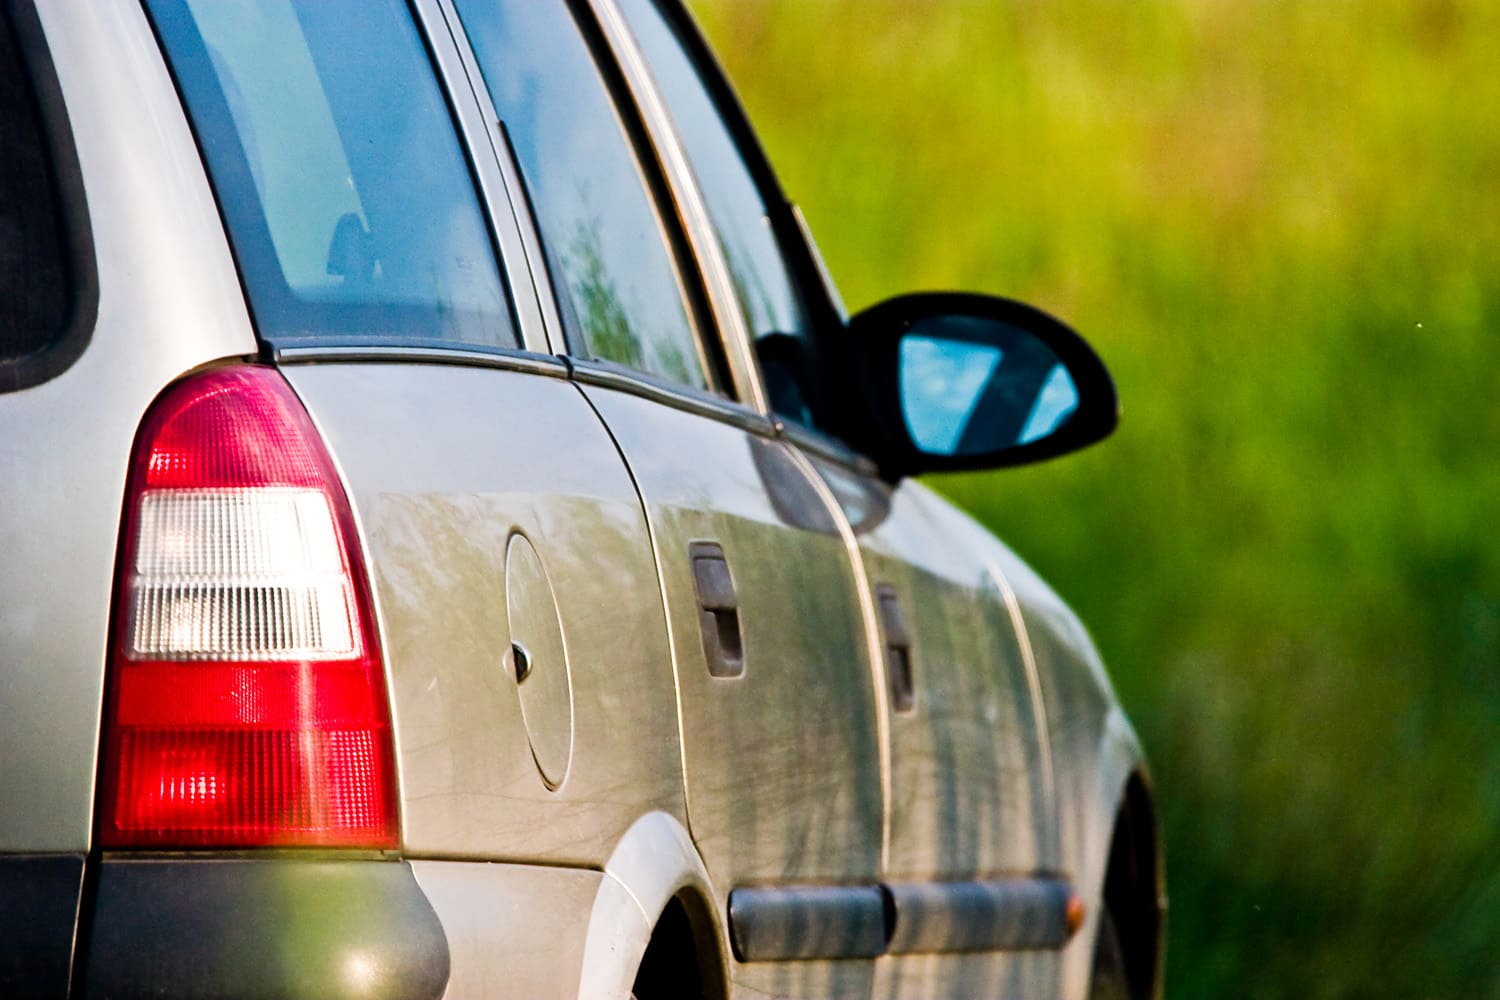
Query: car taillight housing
pixel 246 702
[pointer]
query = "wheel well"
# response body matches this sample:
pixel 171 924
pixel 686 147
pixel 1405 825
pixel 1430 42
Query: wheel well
pixel 683 960
pixel 1133 889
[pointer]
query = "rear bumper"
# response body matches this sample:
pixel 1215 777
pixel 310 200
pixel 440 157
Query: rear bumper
pixel 263 928
pixel 291 928
pixel 38 913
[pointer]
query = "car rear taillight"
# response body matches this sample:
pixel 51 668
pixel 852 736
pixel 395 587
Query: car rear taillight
pixel 246 702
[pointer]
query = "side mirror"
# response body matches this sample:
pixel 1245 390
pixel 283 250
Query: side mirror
pixel 955 381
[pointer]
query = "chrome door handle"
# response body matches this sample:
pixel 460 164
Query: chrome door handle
pixel 718 610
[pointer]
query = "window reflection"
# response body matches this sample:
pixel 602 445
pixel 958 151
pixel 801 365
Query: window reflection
pixel 347 196
pixel 619 292
pixel 764 289
pixel 941 383
pixel 972 386
pixel 1055 404
pixel 762 285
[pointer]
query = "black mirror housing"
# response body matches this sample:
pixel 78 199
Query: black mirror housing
pixel 947 381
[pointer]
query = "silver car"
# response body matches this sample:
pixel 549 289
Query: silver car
pixel 453 543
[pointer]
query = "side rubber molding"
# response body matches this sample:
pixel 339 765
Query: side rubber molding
pixel 38 913
pixel 805 922
pixel 831 922
pixel 1021 914
pixel 263 928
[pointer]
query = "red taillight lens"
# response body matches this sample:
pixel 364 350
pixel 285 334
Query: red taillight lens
pixel 246 702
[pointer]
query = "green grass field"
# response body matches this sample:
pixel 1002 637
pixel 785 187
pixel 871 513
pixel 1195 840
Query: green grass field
pixel 1280 225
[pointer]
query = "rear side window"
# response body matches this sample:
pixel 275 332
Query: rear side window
pixel 42 326
pixel 348 198
pixel 762 281
pixel 619 291
pixel 764 288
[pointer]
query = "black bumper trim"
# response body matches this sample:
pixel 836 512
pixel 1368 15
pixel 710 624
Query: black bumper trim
pixel 38 915
pixel 254 929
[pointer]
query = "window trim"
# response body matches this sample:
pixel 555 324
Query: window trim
pixel 792 234
pixel 71 209
pixel 541 327
pixel 611 375
pixel 468 355
pixel 825 446
pixel 468 102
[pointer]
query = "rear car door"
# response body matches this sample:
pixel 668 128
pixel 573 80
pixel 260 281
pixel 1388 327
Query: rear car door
pixel 778 701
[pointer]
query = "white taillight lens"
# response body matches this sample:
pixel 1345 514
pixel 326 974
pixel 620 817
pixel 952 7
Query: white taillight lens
pixel 252 574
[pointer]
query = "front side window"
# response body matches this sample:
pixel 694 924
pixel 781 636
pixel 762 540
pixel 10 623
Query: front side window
pixel 620 294
pixel 347 195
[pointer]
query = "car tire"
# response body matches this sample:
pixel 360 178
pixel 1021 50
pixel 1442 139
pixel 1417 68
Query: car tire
pixel 1108 980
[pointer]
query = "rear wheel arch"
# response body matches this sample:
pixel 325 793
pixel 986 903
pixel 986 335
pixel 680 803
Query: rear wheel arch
pixel 684 953
pixel 683 960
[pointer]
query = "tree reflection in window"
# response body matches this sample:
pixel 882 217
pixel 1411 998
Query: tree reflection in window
pixel 618 287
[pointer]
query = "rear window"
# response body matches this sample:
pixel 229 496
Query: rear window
pixel 345 190
pixel 41 323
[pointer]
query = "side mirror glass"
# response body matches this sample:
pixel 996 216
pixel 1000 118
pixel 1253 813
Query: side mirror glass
pixel 971 387
pixel 968 381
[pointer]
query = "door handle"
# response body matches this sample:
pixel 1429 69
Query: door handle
pixel 898 667
pixel 718 610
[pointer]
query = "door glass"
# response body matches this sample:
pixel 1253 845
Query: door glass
pixel 763 285
pixel 346 193
pixel 620 294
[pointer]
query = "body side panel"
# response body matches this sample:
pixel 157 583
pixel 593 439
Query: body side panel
pixel 169 301
pixel 1095 751
pixel 446 466
pixel 654 863
pixel 503 945
pixel 1095 785
pixel 589 939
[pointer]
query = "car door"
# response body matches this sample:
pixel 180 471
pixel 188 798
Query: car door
pixel 970 803
pixel 778 702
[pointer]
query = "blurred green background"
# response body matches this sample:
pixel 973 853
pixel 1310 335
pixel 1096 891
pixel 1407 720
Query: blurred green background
pixel 1280 225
